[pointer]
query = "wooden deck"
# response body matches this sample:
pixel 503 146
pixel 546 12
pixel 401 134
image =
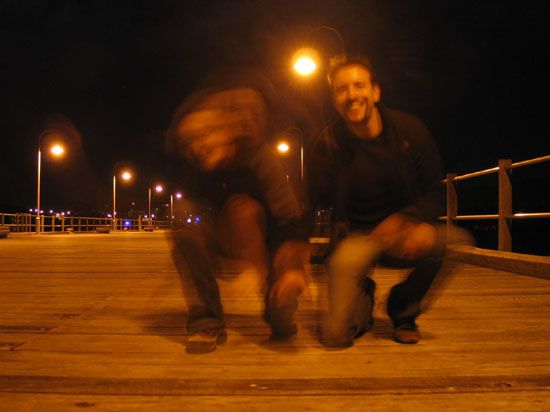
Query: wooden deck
pixel 96 322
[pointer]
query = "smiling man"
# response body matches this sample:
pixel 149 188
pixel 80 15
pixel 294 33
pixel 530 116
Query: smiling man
pixel 382 171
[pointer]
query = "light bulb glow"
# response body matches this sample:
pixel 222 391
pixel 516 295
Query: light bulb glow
pixel 305 65
pixel 283 147
pixel 126 175
pixel 57 150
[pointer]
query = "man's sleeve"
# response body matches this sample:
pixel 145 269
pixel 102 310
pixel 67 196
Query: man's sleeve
pixel 429 200
pixel 279 195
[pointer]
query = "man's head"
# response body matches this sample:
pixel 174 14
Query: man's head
pixel 355 90
pixel 217 125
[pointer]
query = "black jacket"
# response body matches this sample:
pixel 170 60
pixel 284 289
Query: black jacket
pixel 364 182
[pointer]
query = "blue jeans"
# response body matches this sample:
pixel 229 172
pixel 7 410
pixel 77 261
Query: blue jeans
pixel 350 307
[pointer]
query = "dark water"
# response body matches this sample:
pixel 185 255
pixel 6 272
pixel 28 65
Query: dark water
pixel 530 236
pixel 529 195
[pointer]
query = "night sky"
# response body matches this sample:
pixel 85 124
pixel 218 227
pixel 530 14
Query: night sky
pixel 110 74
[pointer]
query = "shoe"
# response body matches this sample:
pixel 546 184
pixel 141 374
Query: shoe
pixel 281 320
pixel 282 303
pixel 206 340
pixel 368 286
pixel 406 332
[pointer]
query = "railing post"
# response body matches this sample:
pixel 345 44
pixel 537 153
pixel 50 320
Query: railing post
pixel 140 222
pixel 452 200
pixel 504 205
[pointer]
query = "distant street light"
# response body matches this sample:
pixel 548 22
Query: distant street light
pixel 159 189
pixel 56 150
pixel 126 175
pixel 283 146
pixel 178 196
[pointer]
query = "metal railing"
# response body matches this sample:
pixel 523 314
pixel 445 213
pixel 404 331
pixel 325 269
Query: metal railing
pixel 26 223
pixel 505 213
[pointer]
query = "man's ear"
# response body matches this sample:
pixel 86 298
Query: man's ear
pixel 377 93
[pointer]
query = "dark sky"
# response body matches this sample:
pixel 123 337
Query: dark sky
pixel 110 74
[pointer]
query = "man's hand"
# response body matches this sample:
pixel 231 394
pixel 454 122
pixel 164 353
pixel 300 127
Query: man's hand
pixel 417 241
pixel 405 238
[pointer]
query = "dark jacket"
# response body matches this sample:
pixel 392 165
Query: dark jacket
pixel 405 164
pixel 260 176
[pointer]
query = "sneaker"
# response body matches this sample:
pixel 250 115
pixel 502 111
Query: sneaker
pixel 281 320
pixel 406 332
pixel 367 322
pixel 205 341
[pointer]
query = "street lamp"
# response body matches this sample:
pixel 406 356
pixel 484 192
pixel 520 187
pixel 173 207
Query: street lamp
pixel 57 150
pixel 306 60
pixel 125 175
pixel 283 146
pixel 158 189
pixel 178 196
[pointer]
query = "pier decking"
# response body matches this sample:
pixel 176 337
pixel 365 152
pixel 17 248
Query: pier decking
pixel 96 322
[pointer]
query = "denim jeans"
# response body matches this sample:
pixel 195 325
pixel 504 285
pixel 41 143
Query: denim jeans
pixel 353 259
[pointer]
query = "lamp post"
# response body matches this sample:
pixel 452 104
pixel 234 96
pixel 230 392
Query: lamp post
pixel 126 175
pixel 159 189
pixel 283 147
pixel 306 60
pixel 57 150
pixel 178 196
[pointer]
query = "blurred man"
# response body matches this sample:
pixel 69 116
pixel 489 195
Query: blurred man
pixel 382 173
pixel 219 134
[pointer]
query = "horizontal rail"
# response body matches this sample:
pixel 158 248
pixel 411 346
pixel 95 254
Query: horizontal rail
pixel 493 216
pixel 26 223
pixel 530 161
pixel 495 169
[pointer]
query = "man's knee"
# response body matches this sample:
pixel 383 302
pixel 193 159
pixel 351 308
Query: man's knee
pixel 353 255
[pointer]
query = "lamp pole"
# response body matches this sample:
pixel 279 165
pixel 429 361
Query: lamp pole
pixel 178 196
pixel 57 150
pixel 283 147
pixel 158 188
pixel 149 209
pixel 38 188
pixel 114 201
pixel 126 175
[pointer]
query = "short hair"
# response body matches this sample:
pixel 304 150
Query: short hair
pixel 222 79
pixel 339 61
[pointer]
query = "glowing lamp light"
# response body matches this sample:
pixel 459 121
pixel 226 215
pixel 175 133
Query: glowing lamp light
pixel 159 188
pixel 305 61
pixel 127 223
pixel 57 150
pixel 283 147
pixel 304 65
pixel 126 175
pixel 179 195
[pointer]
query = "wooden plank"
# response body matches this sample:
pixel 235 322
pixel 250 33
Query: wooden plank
pixel 513 401
pixel 77 331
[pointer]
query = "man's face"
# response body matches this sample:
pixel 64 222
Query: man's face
pixel 221 124
pixel 353 94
